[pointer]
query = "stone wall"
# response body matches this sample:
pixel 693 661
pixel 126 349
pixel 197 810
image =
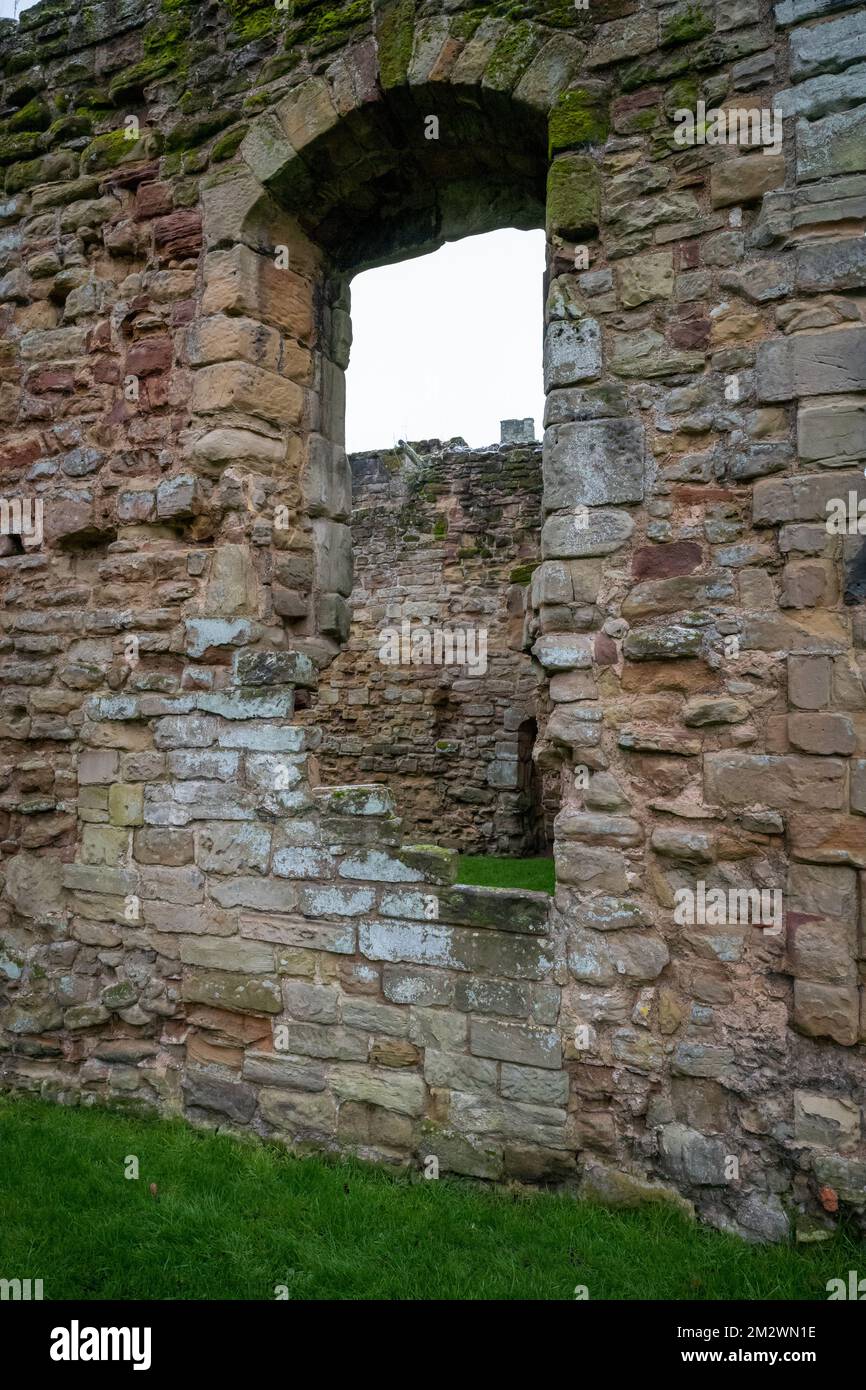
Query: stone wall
pixel 445 537
pixel 187 190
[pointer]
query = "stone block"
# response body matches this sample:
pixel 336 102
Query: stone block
pixel 390 1089
pixel 648 276
pixel 233 848
pixel 241 282
pixel 97 766
pixel 292 1073
pixel 809 681
pixel 231 953
pixel 227 990
pixel 507 997
pixel 834 145
pixel 403 985
pixel 822 733
pixel 744 179
pixel 593 463
pixel 126 804
pixel 812 364
pixel 573 193
pixel 831 265
pixel 572 353
pixel 248 390
pixel 576 536
pixel 299 1113
pixel 825 1121
pixel 236 1100
pixel 779 781
pixel 827 1011
pixel 456 1072
pixel 691 1157
pixel 634 956
pixel 534 1085
pixel 513 1042
pixel 832 429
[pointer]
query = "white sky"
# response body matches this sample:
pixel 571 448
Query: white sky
pixel 10 10
pixel 448 343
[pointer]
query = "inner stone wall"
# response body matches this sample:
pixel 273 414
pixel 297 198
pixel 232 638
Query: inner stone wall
pixel 447 537
pixel 189 921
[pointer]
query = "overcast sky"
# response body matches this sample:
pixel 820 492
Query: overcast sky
pixel 445 344
pixel 10 10
pixel 448 343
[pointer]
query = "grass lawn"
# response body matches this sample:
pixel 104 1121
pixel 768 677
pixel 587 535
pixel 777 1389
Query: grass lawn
pixel 488 871
pixel 233 1220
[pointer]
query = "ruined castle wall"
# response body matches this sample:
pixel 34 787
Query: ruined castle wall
pixel 187 190
pixel 445 539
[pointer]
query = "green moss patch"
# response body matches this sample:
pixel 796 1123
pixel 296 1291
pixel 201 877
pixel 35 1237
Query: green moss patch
pixel 580 117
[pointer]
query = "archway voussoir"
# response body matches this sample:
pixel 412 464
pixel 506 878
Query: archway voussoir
pixel 307 114
pixel 552 69
pixel 266 150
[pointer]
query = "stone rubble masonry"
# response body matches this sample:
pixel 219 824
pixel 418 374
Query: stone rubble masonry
pixel 192 919
pixel 452 545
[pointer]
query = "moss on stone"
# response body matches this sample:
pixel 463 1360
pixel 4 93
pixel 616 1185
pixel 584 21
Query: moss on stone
pixel 523 573
pixel 325 26
pixel 49 169
pixel 572 197
pixel 129 84
pixel 463 26
pixel 394 37
pixel 227 144
pixel 580 117
pixel 691 23
pixel 512 54
pixel 192 131
pixel 70 127
pixel 254 19
pixel 110 149
pixel 21 146
pixel 34 116
pixel 682 95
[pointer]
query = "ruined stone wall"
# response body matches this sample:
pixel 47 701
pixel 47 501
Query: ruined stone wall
pixel 445 539
pixel 189 920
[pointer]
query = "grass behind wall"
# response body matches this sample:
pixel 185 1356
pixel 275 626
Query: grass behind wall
pixel 243 1220
pixel 489 871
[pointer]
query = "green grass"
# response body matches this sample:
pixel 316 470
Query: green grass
pixel 233 1220
pixel 488 871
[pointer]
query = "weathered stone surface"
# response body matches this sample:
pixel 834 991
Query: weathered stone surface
pixel 833 145
pixel 783 782
pixel 238 993
pixel 833 428
pixel 812 364
pixel 593 463
pixel 576 536
pixel 204 1091
pixel 572 352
